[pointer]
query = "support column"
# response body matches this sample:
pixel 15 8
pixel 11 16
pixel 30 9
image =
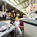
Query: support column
pixel 5 6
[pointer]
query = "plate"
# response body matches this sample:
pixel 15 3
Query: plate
pixel 3 28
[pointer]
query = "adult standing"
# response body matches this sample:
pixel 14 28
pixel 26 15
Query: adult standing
pixel 4 16
pixel 12 19
pixel 14 14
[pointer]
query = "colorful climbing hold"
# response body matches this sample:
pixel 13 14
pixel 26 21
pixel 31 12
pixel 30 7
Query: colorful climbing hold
pixel 32 5
pixel 31 10
pixel 30 13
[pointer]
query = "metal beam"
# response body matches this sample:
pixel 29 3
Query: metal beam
pixel 21 2
pixel 25 3
pixel 23 7
pixel 28 2
pixel 11 2
pixel 31 1
pixel 15 1
pixel 34 1
pixel 24 10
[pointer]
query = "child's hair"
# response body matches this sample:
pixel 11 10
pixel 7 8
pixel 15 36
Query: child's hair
pixel 16 19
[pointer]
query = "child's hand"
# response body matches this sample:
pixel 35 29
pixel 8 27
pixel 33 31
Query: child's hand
pixel 12 22
pixel 17 28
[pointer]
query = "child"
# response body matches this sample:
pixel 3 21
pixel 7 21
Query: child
pixel 12 19
pixel 17 24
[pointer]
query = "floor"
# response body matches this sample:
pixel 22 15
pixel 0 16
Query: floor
pixel 8 35
pixel 29 30
pixel 6 21
pixel 25 35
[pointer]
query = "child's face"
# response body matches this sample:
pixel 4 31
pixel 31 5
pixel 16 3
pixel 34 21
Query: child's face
pixel 16 19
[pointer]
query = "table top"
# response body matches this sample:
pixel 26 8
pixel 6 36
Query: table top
pixel 7 30
pixel 29 20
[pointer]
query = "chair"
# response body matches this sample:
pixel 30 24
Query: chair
pixel 22 27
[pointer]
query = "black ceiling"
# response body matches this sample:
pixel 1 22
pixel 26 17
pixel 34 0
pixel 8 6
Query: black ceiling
pixel 9 7
pixel 1 3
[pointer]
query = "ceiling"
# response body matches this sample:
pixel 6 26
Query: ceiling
pixel 19 4
pixel 9 7
pixel 22 4
pixel 1 3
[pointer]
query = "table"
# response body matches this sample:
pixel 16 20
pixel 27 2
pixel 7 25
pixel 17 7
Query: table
pixel 7 31
pixel 29 21
pixel 30 27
